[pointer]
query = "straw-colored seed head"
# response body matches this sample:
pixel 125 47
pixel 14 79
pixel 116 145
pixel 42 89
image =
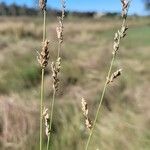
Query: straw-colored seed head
pixel 125 5
pixel 63 3
pixel 88 123
pixel 43 57
pixel 118 36
pixel 59 30
pixel 47 121
pixel 84 107
pixel 55 71
pixel 85 111
pixel 114 76
pixel 42 4
pixel 123 31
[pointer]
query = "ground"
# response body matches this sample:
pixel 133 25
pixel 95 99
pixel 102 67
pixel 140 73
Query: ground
pixel 124 121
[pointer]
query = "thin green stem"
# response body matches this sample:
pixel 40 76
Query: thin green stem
pixel 44 25
pixel 59 49
pixel 54 89
pixel 42 85
pixel 48 142
pixel 41 108
pixel 100 103
pixel 51 117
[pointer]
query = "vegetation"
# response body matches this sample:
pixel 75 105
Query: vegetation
pixel 124 120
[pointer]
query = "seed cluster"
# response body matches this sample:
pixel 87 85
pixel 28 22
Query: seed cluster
pixel 43 57
pixel 47 121
pixel 114 76
pixel 55 72
pixel 59 30
pixel 125 5
pixel 42 4
pixel 118 36
pixel 60 27
pixel 85 111
pixel 122 32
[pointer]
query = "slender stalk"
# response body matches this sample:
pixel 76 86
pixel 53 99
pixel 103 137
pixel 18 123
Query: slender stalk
pixel 42 85
pixel 51 117
pixel 44 25
pixel 58 52
pixel 52 104
pixel 100 103
pixel 118 36
pixel 41 108
pixel 48 142
pixel 56 67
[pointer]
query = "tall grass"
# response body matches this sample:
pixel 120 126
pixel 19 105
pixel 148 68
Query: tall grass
pixel 43 60
pixel 110 78
pixel 56 66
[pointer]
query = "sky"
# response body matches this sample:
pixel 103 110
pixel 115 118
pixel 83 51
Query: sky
pixel 137 6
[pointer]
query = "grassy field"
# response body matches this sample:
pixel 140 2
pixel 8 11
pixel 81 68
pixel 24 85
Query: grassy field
pixel 124 123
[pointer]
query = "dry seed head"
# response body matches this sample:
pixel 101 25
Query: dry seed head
pixel 88 123
pixel 47 121
pixel 63 8
pixel 42 4
pixel 55 71
pixel 123 31
pixel 116 42
pixel 114 76
pixel 125 5
pixel 84 107
pixel 43 57
pixel 59 30
pixel 85 111
pixel 118 36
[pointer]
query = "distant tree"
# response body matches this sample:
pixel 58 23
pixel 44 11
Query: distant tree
pixel 3 9
pixel 13 9
pixel 147 4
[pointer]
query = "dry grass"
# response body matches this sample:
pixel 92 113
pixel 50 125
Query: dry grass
pixel 124 123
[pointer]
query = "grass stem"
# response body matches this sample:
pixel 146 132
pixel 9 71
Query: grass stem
pixel 51 118
pixel 41 108
pixel 100 103
pixel 42 84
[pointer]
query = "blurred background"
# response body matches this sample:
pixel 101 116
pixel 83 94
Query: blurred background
pixel 124 123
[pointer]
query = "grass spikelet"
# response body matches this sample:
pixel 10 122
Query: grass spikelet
pixel 43 60
pixel 55 66
pixel 42 4
pixel 85 111
pixel 55 71
pixel 59 30
pixel 114 76
pixel 43 57
pixel 46 120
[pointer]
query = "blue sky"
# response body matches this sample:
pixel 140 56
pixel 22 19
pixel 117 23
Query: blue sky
pixel 88 5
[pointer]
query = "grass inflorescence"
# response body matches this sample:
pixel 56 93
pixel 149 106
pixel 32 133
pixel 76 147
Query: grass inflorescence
pixel 118 36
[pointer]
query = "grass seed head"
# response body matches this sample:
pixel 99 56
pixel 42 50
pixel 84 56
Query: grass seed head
pixel 42 4
pixel 114 76
pixel 59 30
pixel 47 121
pixel 85 111
pixel 43 57
pixel 55 72
pixel 125 5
